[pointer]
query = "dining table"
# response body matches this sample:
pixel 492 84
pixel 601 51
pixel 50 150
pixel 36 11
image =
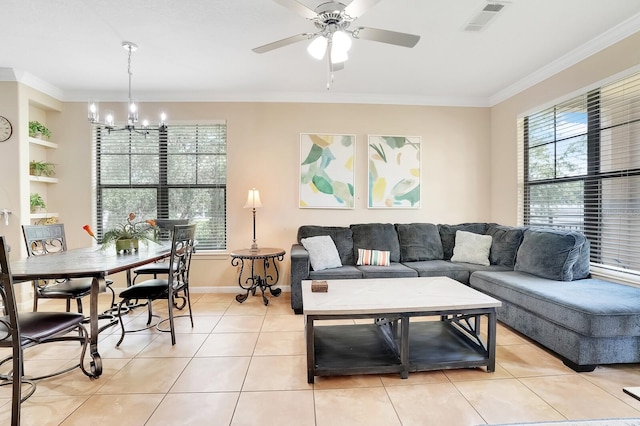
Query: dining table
pixel 96 262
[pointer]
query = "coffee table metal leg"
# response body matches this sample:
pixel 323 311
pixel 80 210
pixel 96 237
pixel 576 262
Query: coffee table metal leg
pixel 308 328
pixel 404 347
pixel 491 341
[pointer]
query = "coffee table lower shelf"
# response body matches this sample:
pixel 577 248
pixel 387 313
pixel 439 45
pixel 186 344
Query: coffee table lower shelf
pixel 366 349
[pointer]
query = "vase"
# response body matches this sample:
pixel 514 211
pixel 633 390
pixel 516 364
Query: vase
pixel 127 245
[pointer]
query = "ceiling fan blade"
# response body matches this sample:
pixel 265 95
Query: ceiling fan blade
pixel 358 7
pixel 386 36
pixel 284 42
pixel 298 8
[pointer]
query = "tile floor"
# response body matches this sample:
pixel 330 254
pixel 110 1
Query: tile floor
pixel 244 364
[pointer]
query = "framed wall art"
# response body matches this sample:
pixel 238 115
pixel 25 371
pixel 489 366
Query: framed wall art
pixel 394 171
pixel 327 171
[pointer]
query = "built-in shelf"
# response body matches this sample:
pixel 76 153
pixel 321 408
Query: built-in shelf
pixel 44 215
pixel 44 143
pixel 43 179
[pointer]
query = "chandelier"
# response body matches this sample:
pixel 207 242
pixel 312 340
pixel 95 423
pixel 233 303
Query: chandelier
pixel 132 116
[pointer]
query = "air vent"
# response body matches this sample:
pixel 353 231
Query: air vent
pixel 484 16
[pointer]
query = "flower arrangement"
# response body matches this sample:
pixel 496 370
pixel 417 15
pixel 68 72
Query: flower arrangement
pixel 127 236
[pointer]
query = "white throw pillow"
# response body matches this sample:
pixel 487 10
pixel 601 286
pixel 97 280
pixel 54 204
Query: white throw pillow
pixel 323 253
pixel 472 248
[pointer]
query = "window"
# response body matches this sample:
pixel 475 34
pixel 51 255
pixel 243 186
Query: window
pixel 177 173
pixel 580 169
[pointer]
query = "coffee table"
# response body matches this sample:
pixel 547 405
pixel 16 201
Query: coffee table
pixel 400 338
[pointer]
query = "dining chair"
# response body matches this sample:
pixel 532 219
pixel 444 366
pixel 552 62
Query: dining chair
pixel 176 285
pixel 47 239
pixel 19 331
pixel 161 267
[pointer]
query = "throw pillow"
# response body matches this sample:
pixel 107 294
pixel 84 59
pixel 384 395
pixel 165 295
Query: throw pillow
pixel 472 248
pixel 323 253
pixel 419 241
pixel 373 257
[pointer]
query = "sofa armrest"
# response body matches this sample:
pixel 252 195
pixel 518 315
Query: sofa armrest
pixel 300 268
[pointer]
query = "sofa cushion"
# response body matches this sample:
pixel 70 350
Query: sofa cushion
pixel 591 307
pixel 448 235
pixel 376 236
pixel 440 268
pixel 346 272
pixel 472 248
pixel 341 236
pixel 373 257
pixel 419 241
pixel 394 270
pixel 552 254
pixel 504 247
pixel 322 252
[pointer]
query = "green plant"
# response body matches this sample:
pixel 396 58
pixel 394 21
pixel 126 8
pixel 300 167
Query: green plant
pixel 40 168
pixel 131 230
pixel 35 128
pixel 35 201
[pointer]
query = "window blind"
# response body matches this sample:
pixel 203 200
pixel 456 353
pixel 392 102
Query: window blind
pixel 177 173
pixel 580 169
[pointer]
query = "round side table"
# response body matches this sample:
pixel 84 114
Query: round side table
pixel 258 277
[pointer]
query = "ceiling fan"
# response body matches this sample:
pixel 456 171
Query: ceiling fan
pixel 333 35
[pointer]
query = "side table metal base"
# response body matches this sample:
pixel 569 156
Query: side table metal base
pixel 264 279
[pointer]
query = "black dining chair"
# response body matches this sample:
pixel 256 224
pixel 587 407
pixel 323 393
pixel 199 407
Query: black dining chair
pixel 176 285
pixel 20 330
pixel 161 267
pixel 47 239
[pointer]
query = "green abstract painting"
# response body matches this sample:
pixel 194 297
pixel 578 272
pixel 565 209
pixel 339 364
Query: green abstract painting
pixel 394 172
pixel 326 171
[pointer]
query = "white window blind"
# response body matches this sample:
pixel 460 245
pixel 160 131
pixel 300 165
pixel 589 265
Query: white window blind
pixel 177 173
pixel 580 169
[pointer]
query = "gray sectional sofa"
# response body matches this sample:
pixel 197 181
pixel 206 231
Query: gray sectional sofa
pixel 540 275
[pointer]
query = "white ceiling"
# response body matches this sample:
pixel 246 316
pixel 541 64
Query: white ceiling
pixel 201 49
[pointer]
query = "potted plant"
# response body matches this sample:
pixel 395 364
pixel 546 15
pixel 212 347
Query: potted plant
pixel 38 130
pixel 41 168
pixel 36 203
pixel 127 236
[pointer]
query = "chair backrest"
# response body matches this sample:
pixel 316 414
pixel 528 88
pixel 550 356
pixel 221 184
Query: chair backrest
pixel 10 330
pixel 182 247
pixel 165 227
pixel 44 239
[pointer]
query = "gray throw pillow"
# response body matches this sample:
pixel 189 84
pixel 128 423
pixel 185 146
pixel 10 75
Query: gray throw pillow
pixel 322 252
pixel 472 248
pixel 552 254
pixel 419 241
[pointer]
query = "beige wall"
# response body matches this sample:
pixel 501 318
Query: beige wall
pixel 609 62
pixel 263 152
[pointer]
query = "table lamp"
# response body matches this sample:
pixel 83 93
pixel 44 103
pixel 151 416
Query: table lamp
pixel 253 202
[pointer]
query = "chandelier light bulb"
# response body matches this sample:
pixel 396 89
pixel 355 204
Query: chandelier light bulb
pixel 318 47
pixel 109 120
pixel 93 114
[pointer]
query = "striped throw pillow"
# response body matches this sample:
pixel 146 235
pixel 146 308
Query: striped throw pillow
pixel 373 257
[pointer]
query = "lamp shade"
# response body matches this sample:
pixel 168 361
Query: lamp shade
pixel 341 41
pixel 317 47
pixel 253 199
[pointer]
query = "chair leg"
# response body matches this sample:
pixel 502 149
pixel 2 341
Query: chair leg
pixel 35 297
pixel 68 305
pixel 188 295
pixel 173 332
pixel 16 399
pixel 120 321
pixel 79 305
pixel 149 311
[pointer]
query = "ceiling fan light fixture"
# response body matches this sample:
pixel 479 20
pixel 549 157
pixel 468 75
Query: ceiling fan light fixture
pixel 317 47
pixel 341 41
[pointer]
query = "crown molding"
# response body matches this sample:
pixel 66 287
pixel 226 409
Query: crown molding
pixel 601 42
